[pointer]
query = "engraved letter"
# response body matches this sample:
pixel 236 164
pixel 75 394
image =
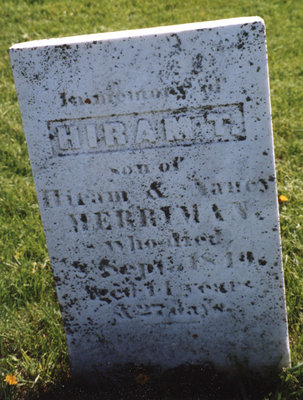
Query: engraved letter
pixel 103 220
pixel 83 219
pixel 91 136
pixel 68 137
pixel 147 217
pixel 178 128
pixel 145 132
pixel 114 133
pixel 125 218
pixel 220 122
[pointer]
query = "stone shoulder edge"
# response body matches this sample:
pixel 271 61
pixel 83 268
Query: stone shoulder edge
pixel 126 34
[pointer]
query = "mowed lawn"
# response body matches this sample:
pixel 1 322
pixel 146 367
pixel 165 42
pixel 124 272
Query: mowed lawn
pixel 33 354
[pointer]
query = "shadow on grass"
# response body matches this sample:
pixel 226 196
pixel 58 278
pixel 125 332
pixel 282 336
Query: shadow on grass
pixel 184 382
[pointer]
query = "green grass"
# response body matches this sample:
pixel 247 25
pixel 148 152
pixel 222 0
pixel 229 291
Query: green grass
pixel 32 343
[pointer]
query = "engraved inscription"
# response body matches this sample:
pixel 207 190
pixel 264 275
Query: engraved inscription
pixel 234 187
pixel 142 95
pixel 152 280
pixel 57 198
pixel 134 218
pixel 174 239
pixel 211 124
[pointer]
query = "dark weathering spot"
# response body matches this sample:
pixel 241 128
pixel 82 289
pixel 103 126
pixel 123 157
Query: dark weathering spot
pixel 222 288
pixel 81 266
pixel 250 256
pixel 197 64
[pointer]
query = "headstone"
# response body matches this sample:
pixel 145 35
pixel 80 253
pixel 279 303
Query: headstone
pixel 153 162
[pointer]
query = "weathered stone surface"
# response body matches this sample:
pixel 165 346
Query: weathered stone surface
pixel 153 161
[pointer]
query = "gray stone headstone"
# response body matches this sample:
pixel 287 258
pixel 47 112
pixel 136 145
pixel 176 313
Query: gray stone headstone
pixel 153 162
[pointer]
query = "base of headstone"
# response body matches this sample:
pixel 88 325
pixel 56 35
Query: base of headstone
pixel 204 382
